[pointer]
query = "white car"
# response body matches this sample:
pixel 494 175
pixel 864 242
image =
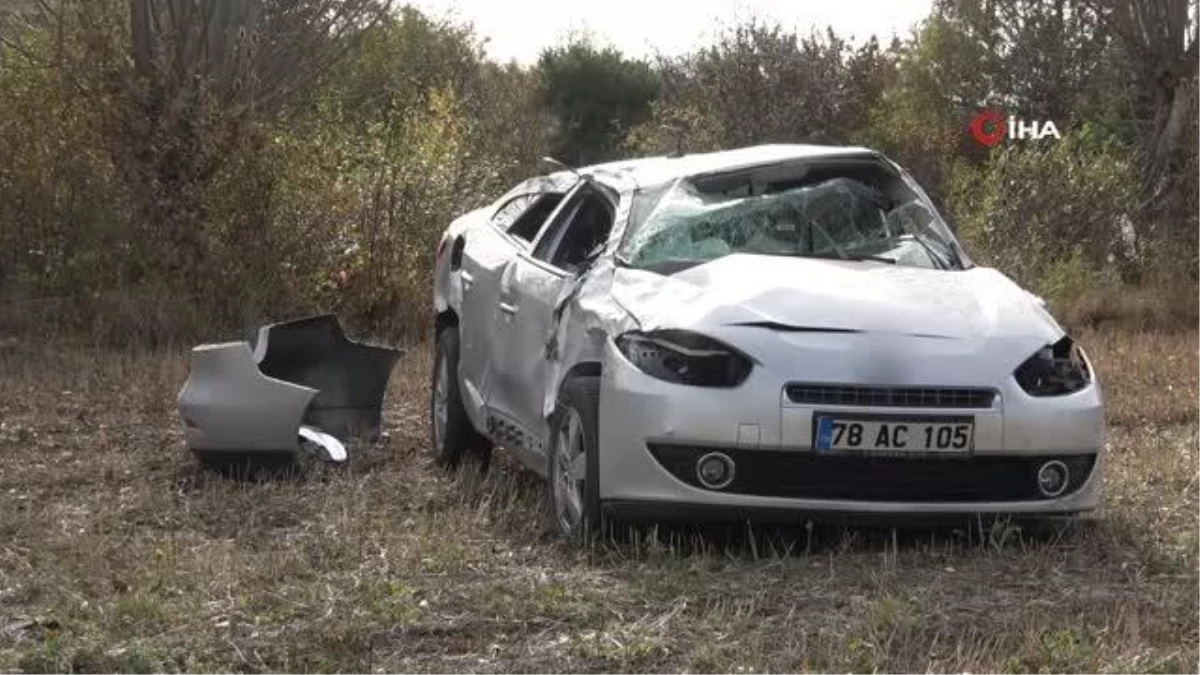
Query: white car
pixel 776 331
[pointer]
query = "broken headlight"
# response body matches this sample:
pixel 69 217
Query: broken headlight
pixel 1054 370
pixel 682 357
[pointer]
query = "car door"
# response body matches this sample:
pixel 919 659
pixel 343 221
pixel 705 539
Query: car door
pixel 487 252
pixel 529 288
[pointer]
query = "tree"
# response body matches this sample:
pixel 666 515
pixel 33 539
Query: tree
pixel 1047 60
pixel 1160 43
pixel 253 54
pixel 596 95
pixel 1038 58
pixel 204 74
pixel 760 83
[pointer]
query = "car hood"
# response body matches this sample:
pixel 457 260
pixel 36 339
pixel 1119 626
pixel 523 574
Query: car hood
pixel 817 295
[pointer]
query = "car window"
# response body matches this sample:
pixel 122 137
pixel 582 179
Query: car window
pixel 581 226
pixel 523 215
pixel 843 209
pixel 512 209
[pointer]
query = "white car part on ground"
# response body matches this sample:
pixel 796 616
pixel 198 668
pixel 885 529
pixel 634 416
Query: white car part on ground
pixel 326 447
pixel 304 386
pixel 229 406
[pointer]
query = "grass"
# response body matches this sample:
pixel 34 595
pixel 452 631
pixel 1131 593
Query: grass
pixel 118 554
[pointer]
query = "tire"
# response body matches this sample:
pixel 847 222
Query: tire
pixel 452 436
pixel 575 431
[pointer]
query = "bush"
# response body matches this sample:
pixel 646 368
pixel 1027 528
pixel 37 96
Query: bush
pixel 1054 215
pixel 141 208
pixel 761 83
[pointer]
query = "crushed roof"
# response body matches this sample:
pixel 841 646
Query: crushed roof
pixel 656 170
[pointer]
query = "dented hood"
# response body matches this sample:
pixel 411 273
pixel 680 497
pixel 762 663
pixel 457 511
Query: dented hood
pixel 792 293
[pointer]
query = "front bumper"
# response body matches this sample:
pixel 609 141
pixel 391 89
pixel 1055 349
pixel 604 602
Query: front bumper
pixel 647 511
pixel 772 438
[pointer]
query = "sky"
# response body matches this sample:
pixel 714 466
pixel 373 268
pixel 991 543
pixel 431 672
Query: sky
pixel 520 29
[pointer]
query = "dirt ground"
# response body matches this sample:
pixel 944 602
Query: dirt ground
pixel 117 553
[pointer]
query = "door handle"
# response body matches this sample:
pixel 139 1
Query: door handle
pixel 508 308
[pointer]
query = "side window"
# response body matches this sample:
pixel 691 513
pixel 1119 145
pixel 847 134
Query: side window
pixel 523 215
pixel 583 226
pixel 507 214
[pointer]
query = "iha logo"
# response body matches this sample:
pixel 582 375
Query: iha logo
pixel 990 127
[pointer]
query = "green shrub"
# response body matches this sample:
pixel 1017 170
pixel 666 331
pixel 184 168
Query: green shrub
pixel 1052 214
pixel 138 209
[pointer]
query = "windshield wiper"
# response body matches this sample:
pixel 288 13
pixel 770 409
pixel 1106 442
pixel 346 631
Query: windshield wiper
pixel 874 258
pixel 841 252
pixel 937 258
pixel 852 257
pixel 832 242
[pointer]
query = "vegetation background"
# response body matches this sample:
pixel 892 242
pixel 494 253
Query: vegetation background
pixel 171 170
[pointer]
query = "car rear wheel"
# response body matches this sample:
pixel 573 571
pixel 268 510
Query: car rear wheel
pixel 453 436
pixel 574 494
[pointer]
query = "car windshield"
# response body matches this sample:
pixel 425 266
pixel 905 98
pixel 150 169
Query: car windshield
pixel 860 211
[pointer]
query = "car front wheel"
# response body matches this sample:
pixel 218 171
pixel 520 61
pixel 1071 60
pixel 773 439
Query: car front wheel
pixel 574 493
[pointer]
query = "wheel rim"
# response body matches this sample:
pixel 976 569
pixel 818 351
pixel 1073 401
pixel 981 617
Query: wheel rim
pixel 568 474
pixel 440 403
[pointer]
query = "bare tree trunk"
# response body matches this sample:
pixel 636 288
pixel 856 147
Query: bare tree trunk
pixel 140 31
pixel 1161 37
pixel 1163 178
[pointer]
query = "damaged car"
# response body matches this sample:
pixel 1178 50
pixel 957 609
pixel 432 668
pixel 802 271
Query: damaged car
pixel 780 331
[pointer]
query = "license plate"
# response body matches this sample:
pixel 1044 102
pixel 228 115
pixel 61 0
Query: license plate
pixel 894 435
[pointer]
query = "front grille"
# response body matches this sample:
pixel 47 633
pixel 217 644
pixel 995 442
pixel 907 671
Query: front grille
pixel 808 475
pixel 895 397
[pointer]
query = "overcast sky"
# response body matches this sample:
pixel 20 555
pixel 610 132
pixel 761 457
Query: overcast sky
pixel 520 29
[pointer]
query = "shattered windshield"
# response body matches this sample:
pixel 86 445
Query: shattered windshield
pixel 849 211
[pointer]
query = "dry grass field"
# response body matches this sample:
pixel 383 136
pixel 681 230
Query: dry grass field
pixel 118 554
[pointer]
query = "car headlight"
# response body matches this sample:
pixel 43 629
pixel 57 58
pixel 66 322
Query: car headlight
pixel 1054 370
pixel 682 357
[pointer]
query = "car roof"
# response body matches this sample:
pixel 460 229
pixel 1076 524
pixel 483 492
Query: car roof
pixel 652 171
